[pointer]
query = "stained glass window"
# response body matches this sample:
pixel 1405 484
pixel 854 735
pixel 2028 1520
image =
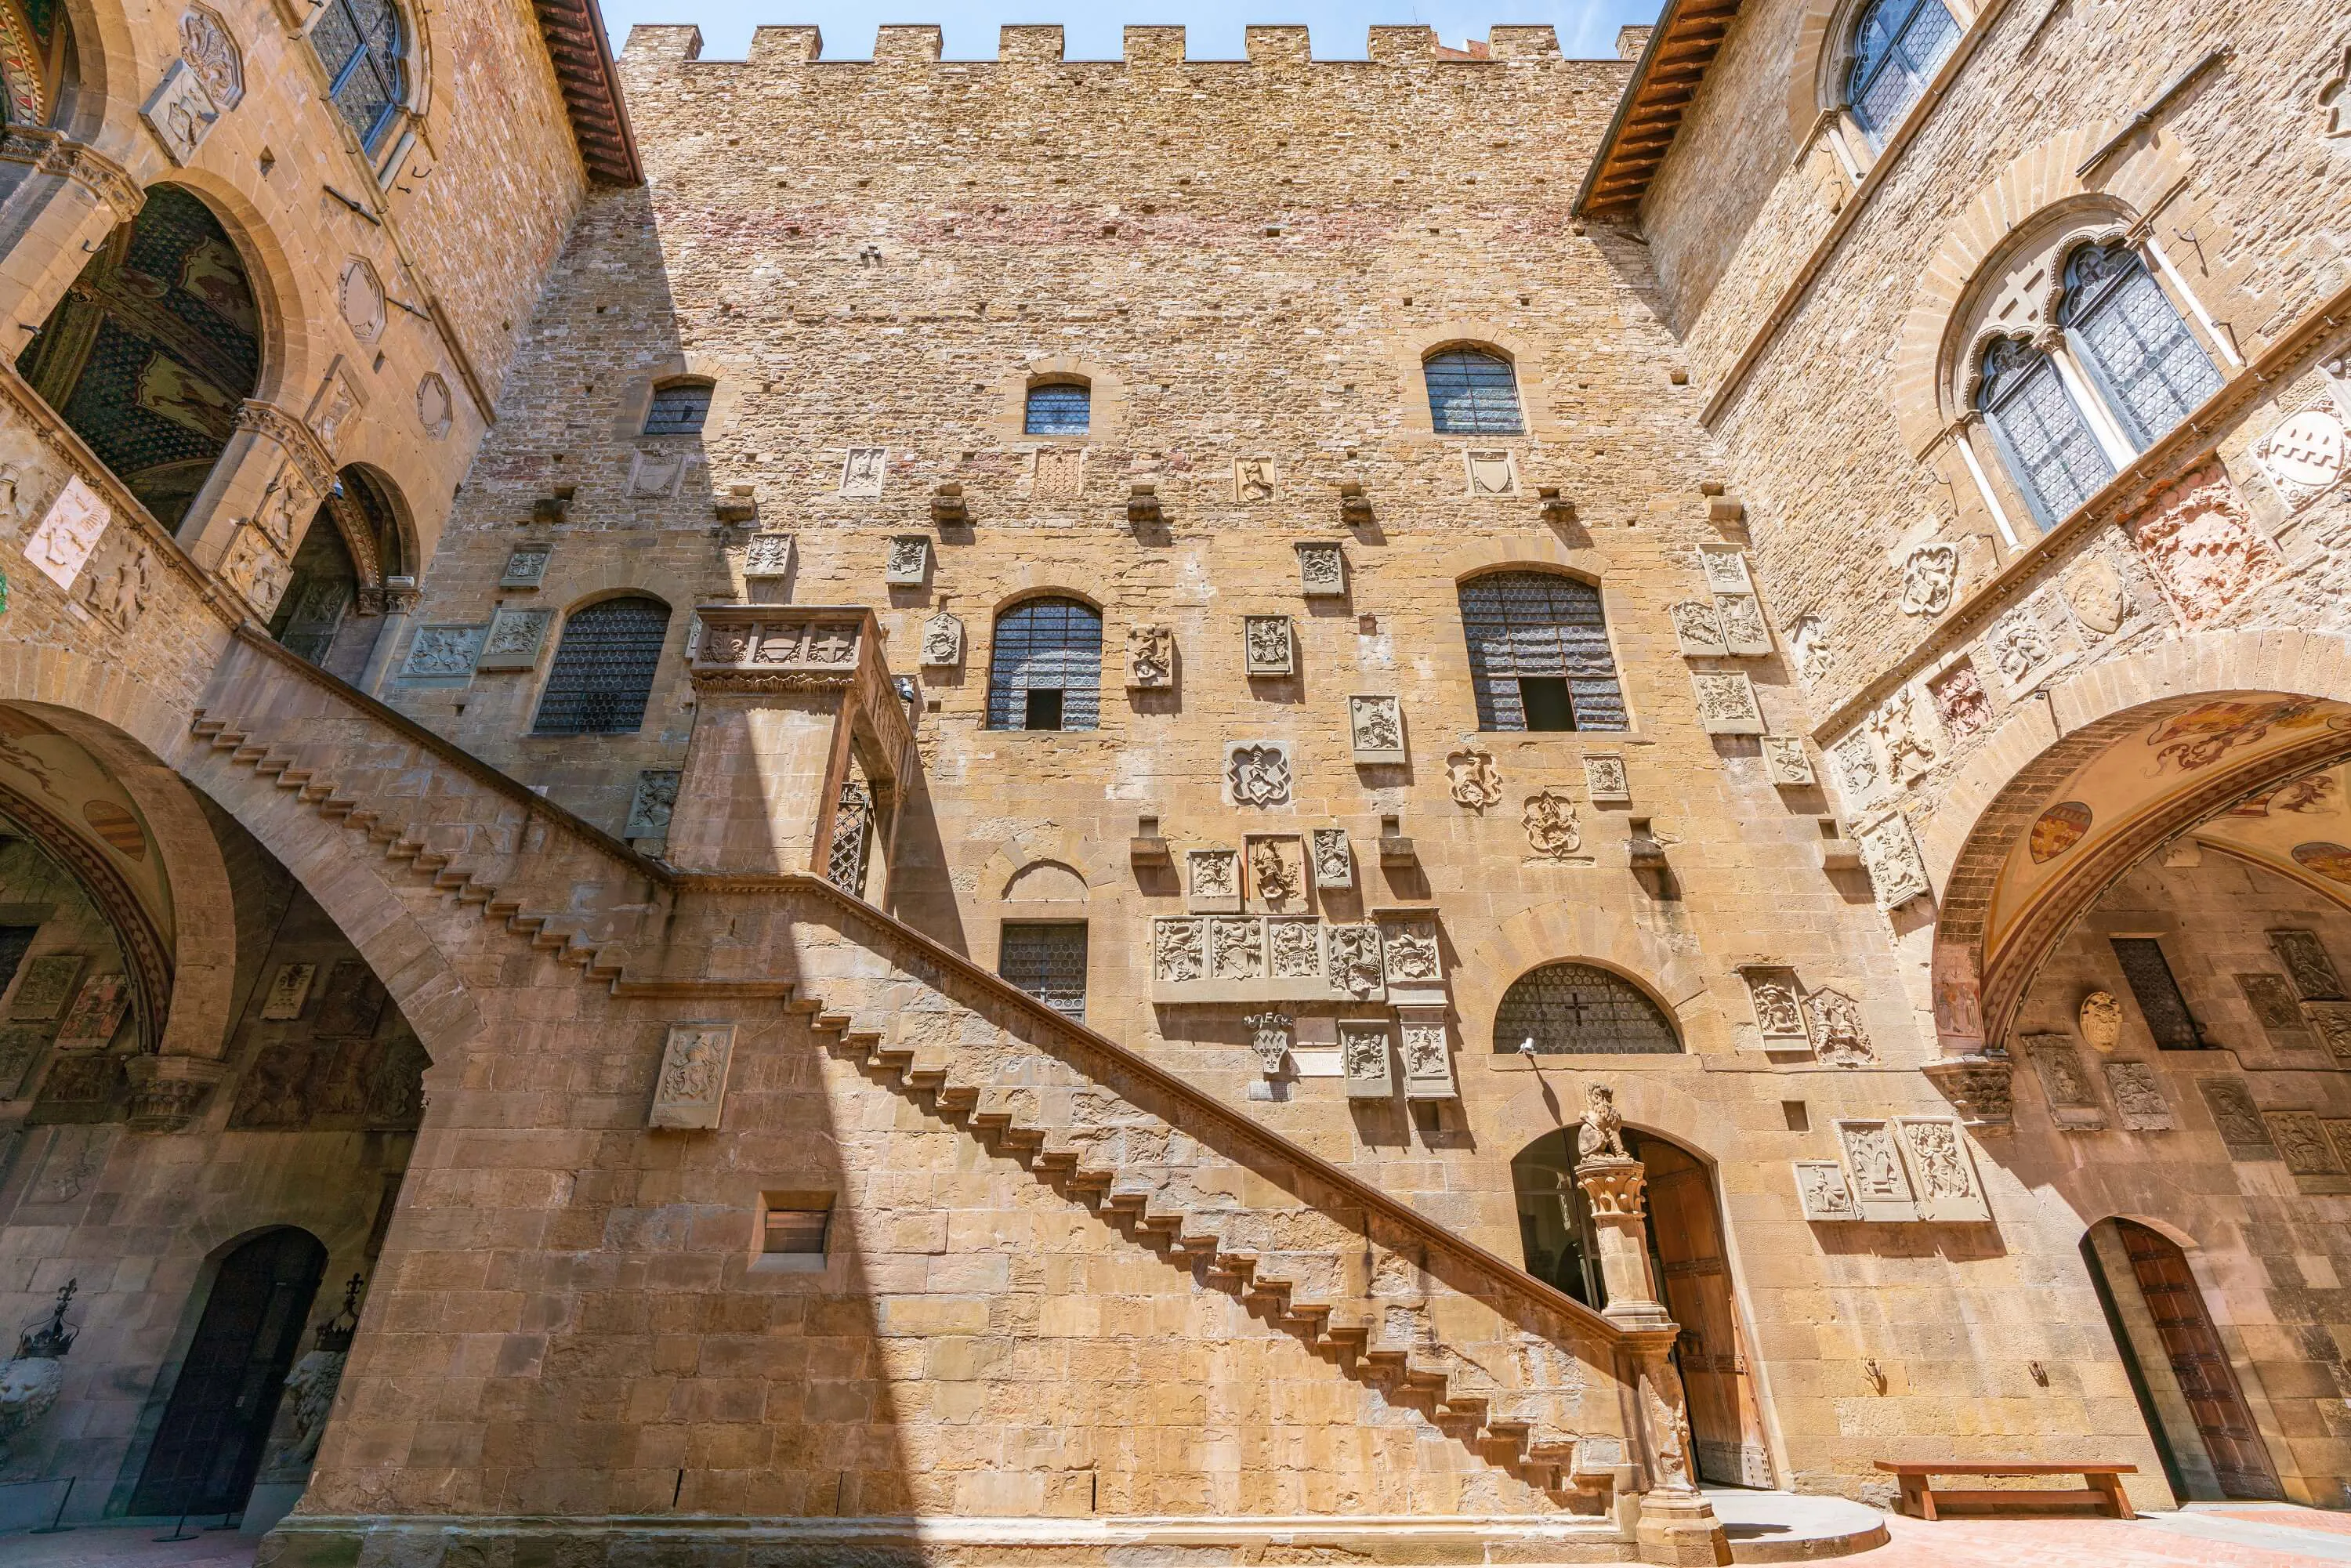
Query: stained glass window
pixel 1575 1010
pixel 1045 668
pixel 678 409
pixel 1057 408
pixel 360 42
pixel 603 671
pixel 1896 50
pixel 2145 361
pixel 1472 392
pixel 1049 962
pixel 2040 429
pixel 1539 653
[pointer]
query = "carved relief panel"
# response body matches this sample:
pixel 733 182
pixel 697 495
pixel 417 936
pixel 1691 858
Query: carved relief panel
pixel 1881 1185
pixel 1375 726
pixel 1363 1058
pixel 1150 656
pixel 1275 867
pixel 1942 1170
pixel 1321 569
pixel 691 1090
pixel 1268 648
pixel 1334 861
pixel 1726 704
pixel 1214 879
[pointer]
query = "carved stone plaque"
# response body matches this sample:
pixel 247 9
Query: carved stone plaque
pixel 1839 1036
pixel 655 474
pixel 1256 479
pixel 1257 773
pixel 2201 545
pixel 909 560
pixel 1787 761
pixel 1058 473
pixel 1492 473
pixel 288 989
pixel 441 653
pixel 691 1089
pixel 68 532
pixel 1427 1057
pixel 1413 959
pixel 1321 569
pixel 44 985
pixel 1698 630
pixel 1726 704
pixel 1270 1037
pixel 2307 965
pixel 1236 949
pixel 1726 571
pixel 1150 656
pixel 180 112
pixel 1356 965
pixel 1179 950
pixel 514 638
pixel 1266 646
pixel 1744 631
pixel 1942 1170
pixel 2277 1010
pixel 2305 455
pixel 2238 1119
pixel 1375 728
pixel 1820 1189
pixel 2073 1104
pixel 1214 881
pixel 1890 855
pixel 861 473
pixel 1930 579
pixel 1275 868
pixel 651 806
pixel 1335 861
pixel 1293 950
pixel 2332 1022
pixel 2302 1143
pixel 1555 832
pixel 2030 644
pixel 1881 1188
pixel 2139 1100
pixel 526 567
pixel 1606 780
pixel 1907 734
pixel 769 554
pixel 1364 1058
pixel 1961 702
pixel 1778 1011
pixel 1860 779
pixel 942 642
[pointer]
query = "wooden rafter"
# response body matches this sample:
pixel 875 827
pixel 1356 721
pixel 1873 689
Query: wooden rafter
pixel 582 58
pixel 1664 82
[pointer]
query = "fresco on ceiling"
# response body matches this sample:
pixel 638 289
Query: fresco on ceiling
pixel 56 775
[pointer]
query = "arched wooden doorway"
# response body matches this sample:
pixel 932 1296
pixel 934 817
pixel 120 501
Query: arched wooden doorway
pixel 209 1446
pixel 2187 1390
pixel 1689 1260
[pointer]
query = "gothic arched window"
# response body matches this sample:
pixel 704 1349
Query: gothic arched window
pixel 2041 431
pixel 1057 408
pixel 2146 365
pixel 1539 653
pixel 603 671
pixel 1044 668
pixel 1473 392
pixel 1896 46
pixel 678 409
pixel 1577 1009
pixel 361 43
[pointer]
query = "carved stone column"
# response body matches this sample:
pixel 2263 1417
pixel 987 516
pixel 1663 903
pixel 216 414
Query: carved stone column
pixel 58 201
pixel 399 601
pixel 1676 1524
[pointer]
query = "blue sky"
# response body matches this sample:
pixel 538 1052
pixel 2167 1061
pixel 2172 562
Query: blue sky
pixel 1586 27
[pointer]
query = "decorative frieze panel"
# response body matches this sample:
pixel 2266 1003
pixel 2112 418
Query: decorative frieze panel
pixel 1334 860
pixel 1267 646
pixel 1364 1056
pixel 1356 965
pixel 1375 726
pixel 1150 656
pixel 1293 951
pixel 763 645
pixel 1211 959
pixel 1726 703
pixel 1321 569
pixel 691 1089
pixel 1213 879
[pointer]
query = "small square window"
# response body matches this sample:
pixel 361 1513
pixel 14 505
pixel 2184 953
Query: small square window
pixel 1546 703
pixel 1044 709
pixel 796 1233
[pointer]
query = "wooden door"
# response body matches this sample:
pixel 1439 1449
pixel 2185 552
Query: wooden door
pixel 210 1443
pixel 1686 1233
pixel 2198 1361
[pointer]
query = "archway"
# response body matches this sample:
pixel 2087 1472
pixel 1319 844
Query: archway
pixel 153 351
pixel 1688 1259
pixel 332 611
pixel 2181 1368
pixel 224 1399
pixel 36 63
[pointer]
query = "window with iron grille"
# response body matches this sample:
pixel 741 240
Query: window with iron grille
pixel 1059 408
pixel 603 670
pixel 1044 668
pixel 1049 962
pixel 2041 432
pixel 1539 655
pixel 679 409
pixel 1473 392
pixel 1575 1010
pixel 2147 364
pixel 852 838
pixel 361 43
pixel 1896 49
pixel 2157 994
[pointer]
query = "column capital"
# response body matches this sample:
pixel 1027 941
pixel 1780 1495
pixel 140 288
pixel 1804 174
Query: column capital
pixel 54 153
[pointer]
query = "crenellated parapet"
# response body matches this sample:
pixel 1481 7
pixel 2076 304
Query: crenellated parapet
pixel 900 46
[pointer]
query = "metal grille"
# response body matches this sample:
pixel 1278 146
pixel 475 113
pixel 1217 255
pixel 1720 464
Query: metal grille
pixel 15 941
pixel 1534 624
pixel 604 669
pixel 2157 994
pixel 852 834
pixel 1061 408
pixel 1471 392
pixel 1574 1010
pixel 678 410
pixel 1046 645
pixel 2040 430
pixel 2143 356
pixel 358 42
pixel 1895 49
pixel 1049 962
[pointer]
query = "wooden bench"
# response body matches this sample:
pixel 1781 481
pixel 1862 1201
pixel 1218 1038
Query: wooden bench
pixel 1921 1500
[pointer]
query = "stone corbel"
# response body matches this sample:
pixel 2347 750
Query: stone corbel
pixel 1978 1087
pixel 168 1092
pixel 54 153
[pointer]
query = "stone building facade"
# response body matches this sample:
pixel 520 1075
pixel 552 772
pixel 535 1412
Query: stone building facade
pixel 943 807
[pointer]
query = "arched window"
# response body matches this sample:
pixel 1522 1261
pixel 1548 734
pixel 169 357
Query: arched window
pixel 1473 392
pixel 2040 429
pixel 1044 671
pixel 678 409
pixel 1539 653
pixel 1057 408
pixel 1896 46
pixel 153 351
pixel 361 43
pixel 603 668
pixel 2148 367
pixel 1575 1010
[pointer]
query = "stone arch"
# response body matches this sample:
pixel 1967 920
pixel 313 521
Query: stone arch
pixel 1982 815
pixel 317 852
pixel 1408 354
pixel 1046 879
pixel 1044 844
pixel 1524 552
pixel 1562 932
pixel 102 108
pixel 1034 582
pixel 2034 183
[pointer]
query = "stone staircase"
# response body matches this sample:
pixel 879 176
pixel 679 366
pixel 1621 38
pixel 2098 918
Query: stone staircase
pixel 1525 1378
